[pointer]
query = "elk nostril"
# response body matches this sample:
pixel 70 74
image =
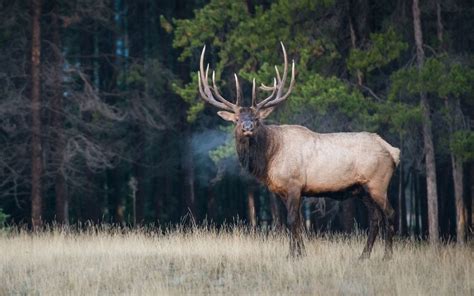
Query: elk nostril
pixel 247 125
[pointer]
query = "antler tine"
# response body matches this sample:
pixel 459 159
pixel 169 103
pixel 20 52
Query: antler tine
pixel 237 90
pixel 285 70
pixel 267 99
pixel 278 74
pixel 218 94
pixel 205 90
pixel 277 98
pixel 201 91
pixel 265 88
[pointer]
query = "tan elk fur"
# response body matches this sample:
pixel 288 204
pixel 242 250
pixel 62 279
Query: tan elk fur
pixel 319 163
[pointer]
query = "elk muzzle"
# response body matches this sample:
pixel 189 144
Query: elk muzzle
pixel 247 128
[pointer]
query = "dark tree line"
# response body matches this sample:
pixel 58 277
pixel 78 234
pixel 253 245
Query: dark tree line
pixel 100 118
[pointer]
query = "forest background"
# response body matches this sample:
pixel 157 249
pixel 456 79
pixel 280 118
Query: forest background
pixel 100 119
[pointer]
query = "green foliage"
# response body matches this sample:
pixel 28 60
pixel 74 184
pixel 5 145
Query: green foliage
pixel 151 76
pixel 257 40
pixel 3 218
pixel 383 49
pixel 211 24
pixel 189 94
pixel 246 42
pixel 442 78
pixel 136 76
pixel 401 117
pixel 323 93
pixel 462 144
pixel 437 76
pixel 166 25
pixel 250 44
pixel 318 94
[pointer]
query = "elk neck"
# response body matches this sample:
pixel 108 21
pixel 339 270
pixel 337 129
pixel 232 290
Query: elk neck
pixel 256 152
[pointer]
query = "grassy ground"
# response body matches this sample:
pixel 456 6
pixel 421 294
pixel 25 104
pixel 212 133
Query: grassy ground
pixel 231 262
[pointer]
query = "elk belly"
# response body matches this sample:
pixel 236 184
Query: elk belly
pixel 332 174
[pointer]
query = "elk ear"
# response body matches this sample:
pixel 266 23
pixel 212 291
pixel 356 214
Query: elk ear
pixel 227 116
pixel 262 114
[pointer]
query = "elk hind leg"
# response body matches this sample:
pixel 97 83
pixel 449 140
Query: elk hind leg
pixel 388 215
pixel 375 219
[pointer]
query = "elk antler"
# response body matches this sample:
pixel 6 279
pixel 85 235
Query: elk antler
pixel 278 86
pixel 205 89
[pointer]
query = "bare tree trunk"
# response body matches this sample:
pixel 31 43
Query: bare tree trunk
pixel 132 185
pixel 457 172
pixel 90 199
pixel 471 176
pixel 439 25
pixel 457 165
pixel 140 195
pixel 461 213
pixel 421 214
pixel 211 202
pixel 252 213
pixel 159 190
pixel 402 219
pixel 409 198
pixel 354 46
pixel 36 153
pixel 417 201
pixel 57 122
pixel 115 198
pixel 189 198
pixel 250 6
pixel 427 135
pixel 120 211
pixel 140 173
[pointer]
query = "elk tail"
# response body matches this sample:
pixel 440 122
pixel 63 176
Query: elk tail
pixel 393 151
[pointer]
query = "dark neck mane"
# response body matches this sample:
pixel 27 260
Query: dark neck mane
pixel 256 152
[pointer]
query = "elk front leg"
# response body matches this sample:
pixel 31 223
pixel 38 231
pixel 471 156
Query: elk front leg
pixel 293 205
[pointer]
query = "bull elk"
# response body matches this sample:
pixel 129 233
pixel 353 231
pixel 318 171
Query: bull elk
pixel 293 161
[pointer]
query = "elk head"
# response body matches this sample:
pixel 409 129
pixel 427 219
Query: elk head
pixel 247 119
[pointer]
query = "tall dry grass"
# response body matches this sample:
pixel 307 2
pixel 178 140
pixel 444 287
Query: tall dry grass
pixel 223 262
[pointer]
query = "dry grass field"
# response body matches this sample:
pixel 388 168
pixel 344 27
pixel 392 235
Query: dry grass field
pixel 226 262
